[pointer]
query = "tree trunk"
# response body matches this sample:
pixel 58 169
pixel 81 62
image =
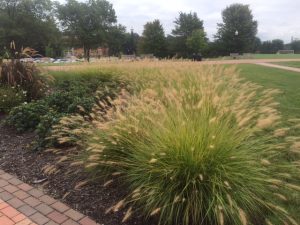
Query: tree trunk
pixel 88 54
pixel 86 51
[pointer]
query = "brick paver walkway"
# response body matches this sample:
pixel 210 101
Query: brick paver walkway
pixel 21 204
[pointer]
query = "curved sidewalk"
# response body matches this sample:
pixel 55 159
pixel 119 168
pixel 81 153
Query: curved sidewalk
pixel 294 69
pixel 22 204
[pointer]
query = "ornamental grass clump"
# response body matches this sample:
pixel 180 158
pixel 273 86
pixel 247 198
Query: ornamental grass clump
pixel 201 147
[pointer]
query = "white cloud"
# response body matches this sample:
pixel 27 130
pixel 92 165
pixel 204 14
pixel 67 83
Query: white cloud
pixel 276 18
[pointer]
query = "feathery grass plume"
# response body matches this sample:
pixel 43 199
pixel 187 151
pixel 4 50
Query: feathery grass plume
pixel 127 215
pixel 243 217
pixel 80 184
pixel 119 205
pixel 282 197
pixel 220 155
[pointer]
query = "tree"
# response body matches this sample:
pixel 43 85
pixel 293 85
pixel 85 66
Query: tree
pixel 185 24
pixel 116 40
pixel 153 40
pixel 277 45
pixel 196 41
pixel 256 44
pixel 171 46
pixel 28 23
pixel 88 22
pixel 238 31
pixel 131 43
pixel 271 47
pixel 295 45
pixel 266 47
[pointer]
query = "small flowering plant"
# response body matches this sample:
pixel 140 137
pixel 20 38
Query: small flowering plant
pixel 11 96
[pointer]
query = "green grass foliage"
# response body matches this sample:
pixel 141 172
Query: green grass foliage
pixel 295 64
pixel 197 147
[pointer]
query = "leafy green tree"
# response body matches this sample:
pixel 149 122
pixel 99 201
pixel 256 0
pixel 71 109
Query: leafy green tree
pixel 185 24
pixel 88 22
pixel 131 43
pixel 196 41
pixel 28 23
pixel 266 47
pixel 271 47
pixel 171 46
pixel 295 45
pixel 116 40
pixel 257 44
pixel 238 31
pixel 153 40
pixel 277 45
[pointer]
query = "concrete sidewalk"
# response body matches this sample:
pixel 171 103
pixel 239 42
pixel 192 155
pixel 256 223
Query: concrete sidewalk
pixel 21 204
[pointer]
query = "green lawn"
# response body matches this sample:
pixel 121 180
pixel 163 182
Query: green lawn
pixel 291 64
pixel 261 56
pixel 289 84
pixel 276 56
pixel 286 81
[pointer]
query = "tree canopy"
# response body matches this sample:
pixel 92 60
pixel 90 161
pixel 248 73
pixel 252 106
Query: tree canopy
pixel 153 39
pixel 51 27
pixel 271 47
pixel 196 41
pixel 88 22
pixel 238 31
pixel 116 40
pixel 295 45
pixel 185 25
pixel 28 23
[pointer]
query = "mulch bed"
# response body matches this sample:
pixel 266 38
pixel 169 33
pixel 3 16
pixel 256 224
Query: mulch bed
pixel 93 199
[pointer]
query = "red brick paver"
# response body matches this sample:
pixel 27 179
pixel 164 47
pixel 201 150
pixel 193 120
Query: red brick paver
pixel 21 204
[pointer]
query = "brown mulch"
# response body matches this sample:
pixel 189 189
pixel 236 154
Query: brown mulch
pixel 92 200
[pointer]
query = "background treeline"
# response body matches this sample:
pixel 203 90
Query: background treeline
pixel 51 27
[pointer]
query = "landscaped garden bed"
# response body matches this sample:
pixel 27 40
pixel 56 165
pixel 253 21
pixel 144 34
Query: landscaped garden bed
pixel 23 146
pixel 92 199
pixel 158 141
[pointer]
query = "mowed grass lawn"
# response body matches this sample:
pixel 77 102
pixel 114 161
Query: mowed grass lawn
pixel 276 56
pixel 286 81
pixel 263 56
pixel 289 83
pixel 291 64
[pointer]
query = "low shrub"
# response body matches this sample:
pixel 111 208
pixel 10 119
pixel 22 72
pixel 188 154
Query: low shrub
pixel 10 97
pixel 198 148
pixel 27 116
pixel 85 102
pixel 59 100
pixel 46 122
pixel 69 96
pixel 68 102
pixel 43 130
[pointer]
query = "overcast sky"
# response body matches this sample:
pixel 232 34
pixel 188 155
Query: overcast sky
pixel 276 18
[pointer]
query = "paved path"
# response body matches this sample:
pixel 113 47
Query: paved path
pixel 294 69
pixel 21 204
